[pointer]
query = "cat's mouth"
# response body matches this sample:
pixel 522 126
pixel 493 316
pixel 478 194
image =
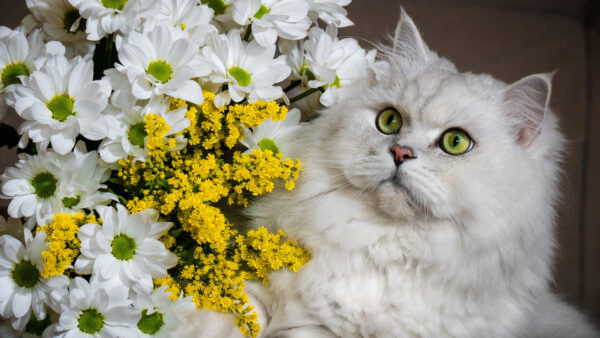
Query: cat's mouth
pixel 397 181
pixel 396 199
pixel 402 188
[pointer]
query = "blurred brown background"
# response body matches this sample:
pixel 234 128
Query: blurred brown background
pixel 508 39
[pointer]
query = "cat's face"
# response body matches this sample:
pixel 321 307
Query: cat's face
pixel 422 140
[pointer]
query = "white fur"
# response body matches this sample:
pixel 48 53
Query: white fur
pixel 458 246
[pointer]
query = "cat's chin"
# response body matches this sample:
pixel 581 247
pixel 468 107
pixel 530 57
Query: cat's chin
pixel 395 201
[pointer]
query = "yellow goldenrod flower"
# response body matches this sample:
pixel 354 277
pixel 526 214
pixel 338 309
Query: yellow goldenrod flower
pixel 64 244
pixel 190 185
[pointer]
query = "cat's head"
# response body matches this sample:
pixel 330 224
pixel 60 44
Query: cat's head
pixel 421 139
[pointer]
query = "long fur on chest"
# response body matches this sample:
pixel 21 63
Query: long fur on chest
pixel 369 278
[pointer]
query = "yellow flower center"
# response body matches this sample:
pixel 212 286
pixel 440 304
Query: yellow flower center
pixel 161 71
pixel 150 323
pixel 25 274
pixel 268 144
pixel 70 202
pixel 90 321
pixel 61 107
pixel 11 72
pixel 44 185
pixel 114 4
pixel 137 134
pixel 242 77
pixel 123 247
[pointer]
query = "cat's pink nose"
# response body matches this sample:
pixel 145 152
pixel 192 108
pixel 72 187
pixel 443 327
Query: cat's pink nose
pixel 401 153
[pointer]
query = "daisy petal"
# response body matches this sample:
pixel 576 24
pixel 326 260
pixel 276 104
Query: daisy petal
pixel 17 187
pixel 21 303
pixel 187 90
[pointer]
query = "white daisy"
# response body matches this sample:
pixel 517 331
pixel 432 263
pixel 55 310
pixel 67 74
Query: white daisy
pixel 248 69
pixel 35 328
pixel 84 177
pixel 272 18
pixel 223 13
pixel 121 96
pixel 62 22
pixel 333 63
pixel 7 331
pixel 332 12
pixel 125 247
pixel 4 31
pixel 161 316
pixel 108 16
pixel 33 186
pixel 127 136
pixel 294 56
pixel 274 136
pixel 30 25
pixel 162 60
pixel 47 183
pixel 194 18
pixel 22 289
pixel 305 98
pixel 60 101
pixel 19 56
pixel 96 309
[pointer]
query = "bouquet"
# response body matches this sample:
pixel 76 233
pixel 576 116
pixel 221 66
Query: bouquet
pixel 144 122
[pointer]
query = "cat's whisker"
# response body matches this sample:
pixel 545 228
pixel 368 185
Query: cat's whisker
pixel 365 188
pixel 433 170
pixel 340 174
pixel 328 162
pixel 328 191
pixel 331 166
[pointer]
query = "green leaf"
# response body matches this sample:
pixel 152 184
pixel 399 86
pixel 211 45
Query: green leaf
pixel 122 200
pixel 175 232
pixel 8 136
pixel 115 180
pixel 162 183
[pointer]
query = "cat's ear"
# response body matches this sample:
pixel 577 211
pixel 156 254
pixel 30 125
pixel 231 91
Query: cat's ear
pixel 408 43
pixel 526 102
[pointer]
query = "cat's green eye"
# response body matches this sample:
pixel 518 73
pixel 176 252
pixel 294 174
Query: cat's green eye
pixel 389 121
pixel 456 142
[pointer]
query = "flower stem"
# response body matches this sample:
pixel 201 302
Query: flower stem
pixel 292 85
pixel 105 56
pixel 248 32
pixel 303 94
pixel 108 51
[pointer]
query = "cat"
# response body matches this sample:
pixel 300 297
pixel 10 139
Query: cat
pixel 427 200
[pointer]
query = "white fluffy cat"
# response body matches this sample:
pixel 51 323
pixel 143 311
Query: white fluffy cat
pixel 427 200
